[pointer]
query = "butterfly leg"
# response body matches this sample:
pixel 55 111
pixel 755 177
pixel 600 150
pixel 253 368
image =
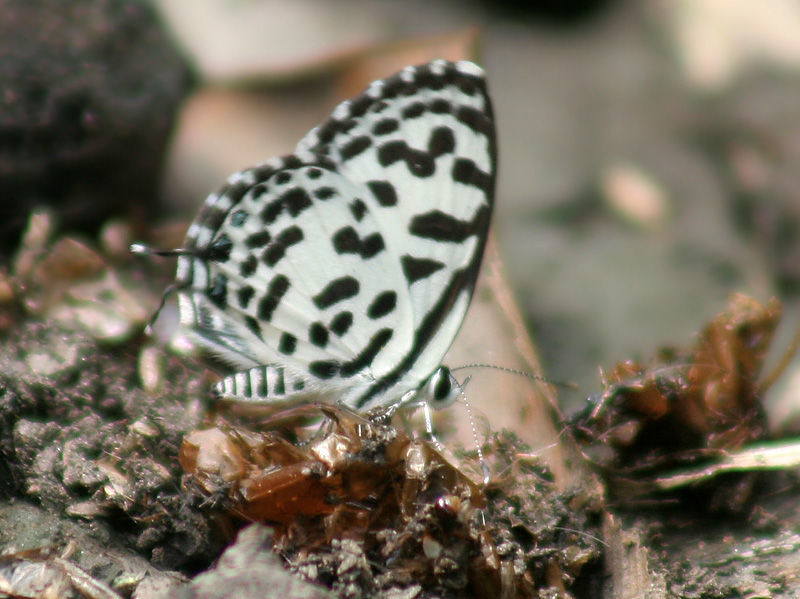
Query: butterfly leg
pixel 386 414
pixel 430 429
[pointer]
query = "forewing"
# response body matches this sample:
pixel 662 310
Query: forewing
pixel 423 143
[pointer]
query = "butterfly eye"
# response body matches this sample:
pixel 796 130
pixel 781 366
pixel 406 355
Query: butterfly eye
pixel 440 388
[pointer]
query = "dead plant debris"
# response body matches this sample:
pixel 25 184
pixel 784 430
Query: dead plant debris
pixel 689 406
pixel 360 507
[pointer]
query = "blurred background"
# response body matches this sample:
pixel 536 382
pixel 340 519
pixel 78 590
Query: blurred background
pixel 649 150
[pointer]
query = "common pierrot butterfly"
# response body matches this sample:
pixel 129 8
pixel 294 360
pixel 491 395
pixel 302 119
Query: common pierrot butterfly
pixel 342 272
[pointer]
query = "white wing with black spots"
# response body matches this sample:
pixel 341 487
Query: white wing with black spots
pixel 350 264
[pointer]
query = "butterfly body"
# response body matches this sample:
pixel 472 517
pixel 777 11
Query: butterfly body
pixel 343 271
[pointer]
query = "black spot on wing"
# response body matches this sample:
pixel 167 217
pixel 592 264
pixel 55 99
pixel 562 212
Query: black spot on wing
pixel 392 152
pixel 287 344
pixel 384 192
pixel 465 171
pixel 324 193
pixel 272 211
pixel 358 106
pixel 341 323
pixel 382 305
pixel 325 134
pixel 440 226
pixel 297 200
pixel 413 111
pixel 283 241
pixel 355 108
pixel 420 163
pixel 280 381
pixel 442 142
pixel 318 334
pixel 396 86
pixel 371 245
pixel 283 177
pixel 476 120
pixel 314 173
pixel 358 208
pixel 429 80
pixel 419 268
pixel 367 355
pixel 220 249
pixel 469 87
pixel 253 325
pixel 291 162
pixel 355 147
pixel 337 290
pixel 244 295
pixel 324 369
pixel 239 218
pixel 265 171
pixel 329 130
pixel 441 106
pixel 248 266
pixel 276 289
pixel 263 390
pixel 236 191
pixel 385 126
pixel 348 125
pixel 218 293
pixel 258 239
pixel 347 241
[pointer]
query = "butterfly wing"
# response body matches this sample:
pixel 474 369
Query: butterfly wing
pixel 298 274
pixel 352 262
pixel 424 143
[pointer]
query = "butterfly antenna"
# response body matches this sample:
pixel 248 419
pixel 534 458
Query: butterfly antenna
pixel 529 375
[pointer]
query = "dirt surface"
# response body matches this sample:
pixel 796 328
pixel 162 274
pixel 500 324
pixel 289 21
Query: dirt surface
pixel 84 441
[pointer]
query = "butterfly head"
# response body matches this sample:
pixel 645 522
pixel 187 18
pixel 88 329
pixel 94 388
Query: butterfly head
pixel 441 389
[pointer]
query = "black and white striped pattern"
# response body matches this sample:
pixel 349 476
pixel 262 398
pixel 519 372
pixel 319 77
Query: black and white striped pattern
pixel 343 272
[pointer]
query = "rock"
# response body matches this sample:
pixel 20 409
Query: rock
pixel 90 89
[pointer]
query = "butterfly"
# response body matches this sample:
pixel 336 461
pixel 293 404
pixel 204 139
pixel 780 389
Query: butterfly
pixel 342 272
